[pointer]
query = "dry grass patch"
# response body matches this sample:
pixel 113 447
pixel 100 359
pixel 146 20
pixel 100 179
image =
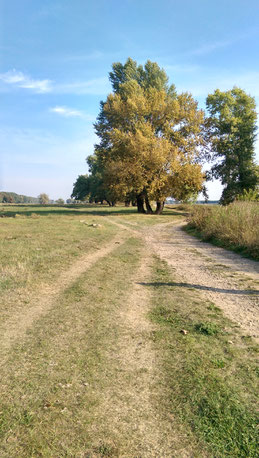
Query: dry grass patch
pixel 234 226
pixel 34 252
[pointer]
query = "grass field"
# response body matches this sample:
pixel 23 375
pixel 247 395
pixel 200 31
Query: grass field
pixel 93 360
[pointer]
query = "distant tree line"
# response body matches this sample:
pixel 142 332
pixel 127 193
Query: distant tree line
pixel 42 199
pixel 12 197
pixel 153 142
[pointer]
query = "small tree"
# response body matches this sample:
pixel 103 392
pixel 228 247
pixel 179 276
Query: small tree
pixel 43 199
pixel 81 188
pixel 60 201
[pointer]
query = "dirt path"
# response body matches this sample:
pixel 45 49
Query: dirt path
pixel 223 277
pixel 130 403
pixel 16 327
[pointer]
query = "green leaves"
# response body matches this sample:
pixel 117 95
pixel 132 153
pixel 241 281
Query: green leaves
pixel 232 134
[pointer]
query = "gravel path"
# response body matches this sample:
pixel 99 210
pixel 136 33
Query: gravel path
pixel 227 279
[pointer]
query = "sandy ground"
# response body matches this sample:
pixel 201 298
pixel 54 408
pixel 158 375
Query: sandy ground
pixel 227 279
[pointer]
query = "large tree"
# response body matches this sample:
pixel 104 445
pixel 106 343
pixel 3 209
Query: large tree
pixel 150 137
pixel 232 128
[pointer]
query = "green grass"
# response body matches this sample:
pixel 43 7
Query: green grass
pixel 234 227
pixel 54 382
pixel 58 379
pixel 210 370
pixel 34 252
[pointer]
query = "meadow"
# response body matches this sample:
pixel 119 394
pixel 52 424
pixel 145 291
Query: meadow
pixel 94 360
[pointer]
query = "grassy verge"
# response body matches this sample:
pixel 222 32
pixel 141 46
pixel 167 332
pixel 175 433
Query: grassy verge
pixel 234 227
pixel 54 383
pixel 208 367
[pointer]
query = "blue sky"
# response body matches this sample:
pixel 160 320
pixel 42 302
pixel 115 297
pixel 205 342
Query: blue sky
pixel 55 56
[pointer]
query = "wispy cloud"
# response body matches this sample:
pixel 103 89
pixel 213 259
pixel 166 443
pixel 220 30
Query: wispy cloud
pixel 97 86
pixel 19 79
pixel 67 112
pixel 71 113
pixel 207 48
pixel 205 82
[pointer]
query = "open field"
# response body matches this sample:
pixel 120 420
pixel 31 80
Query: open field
pixel 123 336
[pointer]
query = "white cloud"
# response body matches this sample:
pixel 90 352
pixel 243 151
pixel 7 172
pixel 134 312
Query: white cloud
pixel 71 113
pixel 14 78
pixel 19 79
pixel 67 112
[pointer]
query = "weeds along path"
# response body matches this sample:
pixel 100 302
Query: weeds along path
pixel 16 327
pixel 223 277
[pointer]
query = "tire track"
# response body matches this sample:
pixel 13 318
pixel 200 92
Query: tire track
pixel 131 401
pixel 223 277
pixel 15 328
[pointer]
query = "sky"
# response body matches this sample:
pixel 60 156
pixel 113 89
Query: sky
pixel 55 56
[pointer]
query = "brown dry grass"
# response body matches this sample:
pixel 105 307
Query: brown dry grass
pixel 235 226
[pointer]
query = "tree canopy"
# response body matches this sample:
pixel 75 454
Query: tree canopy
pixel 150 139
pixel 232 128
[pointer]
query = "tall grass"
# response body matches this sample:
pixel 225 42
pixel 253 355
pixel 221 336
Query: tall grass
pixel 235 226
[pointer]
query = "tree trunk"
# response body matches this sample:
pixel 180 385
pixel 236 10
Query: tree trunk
pixel 109 203
pixel 127 203
pixel 159 207
pixel 148 206
pixel 113 204
pixel 140 204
